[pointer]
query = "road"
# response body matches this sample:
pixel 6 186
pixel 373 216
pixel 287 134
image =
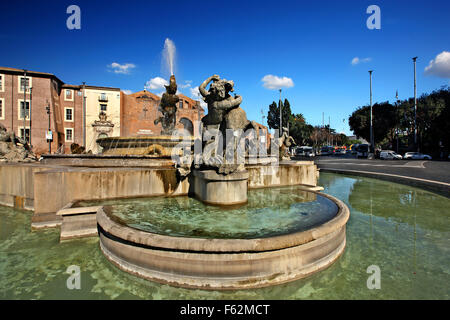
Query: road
pixel 423 169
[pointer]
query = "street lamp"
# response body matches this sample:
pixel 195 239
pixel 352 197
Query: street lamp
pixel 371 120
pixel 415 106
pixel 24 104
pixel 49 137
pixel 31 102
pixel 397 120
pixel 281 123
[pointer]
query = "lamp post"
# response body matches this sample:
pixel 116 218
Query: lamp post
pixel 48 133
pixel 31 101
pixel 415 106
pixel 371 120
pixel 84 114
pixel 281 123
pixel 397 120
pixel 24 104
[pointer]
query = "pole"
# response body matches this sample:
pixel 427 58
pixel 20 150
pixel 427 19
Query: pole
pixel 84 115
pixel 281 122
pixel 397 118
pixel 31 101
pixel 24 102
pixel 49 141
pixel 371 116
pixel 415 106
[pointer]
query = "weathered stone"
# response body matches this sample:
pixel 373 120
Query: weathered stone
pixel 285 142
pixel 168 108
pixel 224 113
pixel 13 148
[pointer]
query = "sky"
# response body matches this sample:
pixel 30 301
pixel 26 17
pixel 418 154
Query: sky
pixel 317 52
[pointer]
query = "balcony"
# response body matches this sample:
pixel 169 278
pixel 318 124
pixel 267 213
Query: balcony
pixel 103 98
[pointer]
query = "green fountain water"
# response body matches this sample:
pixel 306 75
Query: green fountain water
pixel 268 213
pixel 403 230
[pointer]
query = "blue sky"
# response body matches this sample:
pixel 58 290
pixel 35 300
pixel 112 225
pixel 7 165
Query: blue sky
pixel 311 42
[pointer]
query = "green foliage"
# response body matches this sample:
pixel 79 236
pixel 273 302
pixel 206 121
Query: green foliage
pixel 433 122
pixel 302 132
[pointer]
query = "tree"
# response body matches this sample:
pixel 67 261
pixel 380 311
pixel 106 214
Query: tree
pixel 300 130
pixel 433 122
pixel 273 116
pixel 383 119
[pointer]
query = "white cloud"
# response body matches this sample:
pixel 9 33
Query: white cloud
pixel 195 94
pixel 127 91
pixel 357 60
pixel 439 66
pixel 156 83
pixel 121 68
pixel 274 82
pixel 185 85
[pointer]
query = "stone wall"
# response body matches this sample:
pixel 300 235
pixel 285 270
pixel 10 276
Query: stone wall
pixel 48 188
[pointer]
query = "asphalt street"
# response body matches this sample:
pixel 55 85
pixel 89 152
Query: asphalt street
pixel 423 169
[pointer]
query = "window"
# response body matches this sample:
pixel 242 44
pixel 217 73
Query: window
pixel 103 97
pixel 2 86
pixel 68 114
pixel 25 82
pixel 2 114
pixel 68 96
pixel 181 104
pixel 103 107
pixel 27 133
pixel 69 134
pixel 21 110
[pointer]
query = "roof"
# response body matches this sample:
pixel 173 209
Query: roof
pixel 101 88
pixel 29 72
pixel 144 93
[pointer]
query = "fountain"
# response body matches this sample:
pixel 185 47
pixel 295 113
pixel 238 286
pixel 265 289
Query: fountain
pixel 221 240
pixel 158 146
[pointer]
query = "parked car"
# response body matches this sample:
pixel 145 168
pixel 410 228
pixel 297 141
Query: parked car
pixel 305 151
pixel 362 150
pixel 416 156
pixel 389 155
pixel 326 150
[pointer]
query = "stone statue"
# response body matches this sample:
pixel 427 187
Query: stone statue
pixel 13 148
pixel 285 141
pixel 224 112
pixel 168 108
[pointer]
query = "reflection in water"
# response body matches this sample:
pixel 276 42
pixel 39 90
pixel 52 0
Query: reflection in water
pixel 409 240
pixel 269 212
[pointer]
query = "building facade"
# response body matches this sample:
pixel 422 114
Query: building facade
pixel 140 110
pixel 103 115
pixel 25 97
pixel 32 103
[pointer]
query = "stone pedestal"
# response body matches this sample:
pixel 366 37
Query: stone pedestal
pixel 216 189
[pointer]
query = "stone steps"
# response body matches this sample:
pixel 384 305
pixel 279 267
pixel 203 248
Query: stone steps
pixel 78 222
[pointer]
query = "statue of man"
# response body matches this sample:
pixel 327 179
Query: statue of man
pixel 285 142
pixel 218 99
pixel 168 107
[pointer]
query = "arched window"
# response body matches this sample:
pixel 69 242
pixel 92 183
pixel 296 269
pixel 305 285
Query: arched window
pixel 188 125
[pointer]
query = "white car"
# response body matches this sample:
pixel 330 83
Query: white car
pixel 416 156
pixel 389 155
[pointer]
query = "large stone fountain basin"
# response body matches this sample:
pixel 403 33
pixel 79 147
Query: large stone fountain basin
pixel 223 264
